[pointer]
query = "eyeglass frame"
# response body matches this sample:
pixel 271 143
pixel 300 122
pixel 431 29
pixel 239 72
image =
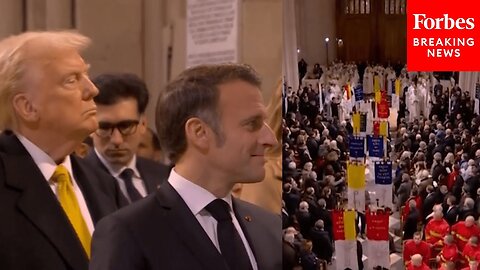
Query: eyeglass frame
pixel 124 131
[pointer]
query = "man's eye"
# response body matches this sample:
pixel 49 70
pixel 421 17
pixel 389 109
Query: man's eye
pixel 71 80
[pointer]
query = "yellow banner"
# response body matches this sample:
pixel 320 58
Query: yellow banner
pixel 383 129
pixel 376 89
pixel 356 176
pixel 349 224
pixel 397 87
pixel 356 123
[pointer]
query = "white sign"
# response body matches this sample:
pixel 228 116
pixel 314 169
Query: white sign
pixel 212 31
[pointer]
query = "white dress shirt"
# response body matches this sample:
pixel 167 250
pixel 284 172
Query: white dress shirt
pixel 48 166
pixel 136 178
pixel 197 198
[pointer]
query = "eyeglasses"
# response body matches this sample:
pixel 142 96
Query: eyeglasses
pixel 126 127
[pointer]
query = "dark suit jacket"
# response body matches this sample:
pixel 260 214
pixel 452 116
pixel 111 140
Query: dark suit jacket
pixel 410 226
pixel 153 174
pixel 35 233
pixel 451 215
pixel 160 232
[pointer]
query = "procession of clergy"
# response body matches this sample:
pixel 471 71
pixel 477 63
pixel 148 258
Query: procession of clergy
pixel 435 147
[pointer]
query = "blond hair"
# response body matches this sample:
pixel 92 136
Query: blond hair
pixel 14 56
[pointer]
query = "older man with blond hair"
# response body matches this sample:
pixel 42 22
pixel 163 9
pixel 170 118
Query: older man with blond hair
pixel 50 200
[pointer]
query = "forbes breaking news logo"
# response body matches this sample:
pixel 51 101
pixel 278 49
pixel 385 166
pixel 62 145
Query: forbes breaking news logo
pixel 441 38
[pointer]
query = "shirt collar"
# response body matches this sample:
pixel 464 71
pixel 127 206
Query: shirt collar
pixel 117 171
pixel 195 196
pixel 44 162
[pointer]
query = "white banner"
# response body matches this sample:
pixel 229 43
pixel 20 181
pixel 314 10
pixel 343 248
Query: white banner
pixel 356 199
pixel 378 254
pixel 384 195
pixel 212 31
pixel 346 254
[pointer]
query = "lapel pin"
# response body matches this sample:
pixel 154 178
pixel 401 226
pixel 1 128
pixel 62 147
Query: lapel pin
pixel 248 218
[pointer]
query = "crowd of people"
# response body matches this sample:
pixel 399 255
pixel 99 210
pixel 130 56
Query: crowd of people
pixel 436 156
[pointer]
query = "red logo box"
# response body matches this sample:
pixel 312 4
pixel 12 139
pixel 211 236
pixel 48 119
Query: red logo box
pixel 443 35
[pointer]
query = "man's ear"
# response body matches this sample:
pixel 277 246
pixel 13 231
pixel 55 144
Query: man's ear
pixel 142 126
pixel 197 133
pixel 24 108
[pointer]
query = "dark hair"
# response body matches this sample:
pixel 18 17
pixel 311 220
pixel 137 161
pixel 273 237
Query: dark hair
pixel 194 93
pixel 114 87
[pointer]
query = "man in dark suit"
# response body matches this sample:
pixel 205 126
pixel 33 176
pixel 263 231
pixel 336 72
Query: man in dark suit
pixel 322 243
pixel 211 123
pixel 121 105
pixel 451 210
pixel 410 225
pixel 428 202
pixel 50 200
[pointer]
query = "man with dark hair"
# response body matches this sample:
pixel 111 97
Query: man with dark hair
pixel 50 200
pixel 121 105
pixel 211 124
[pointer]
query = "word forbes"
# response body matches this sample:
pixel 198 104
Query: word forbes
pixel 443 23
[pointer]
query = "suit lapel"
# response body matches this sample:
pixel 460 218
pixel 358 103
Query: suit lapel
pixel 84 179
pixel 188 230
pixel 250 230
pixel 39 204
pixel 94 160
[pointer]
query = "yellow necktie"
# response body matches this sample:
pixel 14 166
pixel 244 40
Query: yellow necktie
pixel 68 201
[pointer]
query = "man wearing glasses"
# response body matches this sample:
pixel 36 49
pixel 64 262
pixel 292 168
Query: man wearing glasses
pixel 121 104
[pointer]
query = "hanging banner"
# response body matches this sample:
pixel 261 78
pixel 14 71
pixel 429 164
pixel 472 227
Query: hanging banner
pixel 377 225
pixel 356 123
pixel 381 192
pixel 395 102
pixel 477 90
pixel 382 109
pixel 383 128
pixel 358 91
pixel 383 173
pixel 375 146
pixel 337 222
pixel 378 254
pixel 356 146
pixel 376 128
pixel 397 87
pixel 363 122
pixel 377 234
pixel 347 251
pixel 356 175
pixel 356 186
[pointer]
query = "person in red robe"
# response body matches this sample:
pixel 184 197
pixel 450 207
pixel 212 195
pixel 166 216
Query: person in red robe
pixel 469 251
pixel 473 264
pixel 449 252
pixel 417 263
pixel 416 246
pixel 436 229
pixel 463 230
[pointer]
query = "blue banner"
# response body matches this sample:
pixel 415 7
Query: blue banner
pixel 383 173
pixel 375 146
pixel 357 147
pixel 358 90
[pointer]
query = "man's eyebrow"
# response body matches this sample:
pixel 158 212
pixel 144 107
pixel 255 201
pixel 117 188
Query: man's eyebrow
pixel 256 117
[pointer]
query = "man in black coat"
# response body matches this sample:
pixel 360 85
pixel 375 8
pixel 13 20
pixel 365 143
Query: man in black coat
pixel 451 210
pixel 322 243
pixel 410 225
pixel 429 202
pixel 121 105
pixel 211 123
pixel 50 200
